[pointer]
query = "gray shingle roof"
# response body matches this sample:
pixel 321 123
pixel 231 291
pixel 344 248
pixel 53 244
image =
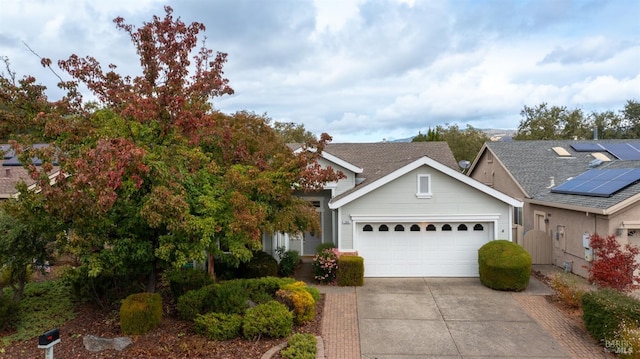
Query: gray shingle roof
pixel 532 163
pixel 380 159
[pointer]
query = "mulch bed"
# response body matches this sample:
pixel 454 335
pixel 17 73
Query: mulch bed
pixel 173 338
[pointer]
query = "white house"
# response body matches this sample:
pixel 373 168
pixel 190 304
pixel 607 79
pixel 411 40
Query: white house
pixel 406 209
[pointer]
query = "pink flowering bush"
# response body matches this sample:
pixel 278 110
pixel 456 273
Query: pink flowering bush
pixel 325 265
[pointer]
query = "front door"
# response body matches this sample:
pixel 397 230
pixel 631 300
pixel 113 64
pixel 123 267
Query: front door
pixel 311 240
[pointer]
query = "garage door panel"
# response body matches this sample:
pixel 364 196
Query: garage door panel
pixel 424 253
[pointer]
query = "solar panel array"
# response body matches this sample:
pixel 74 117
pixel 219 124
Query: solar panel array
pixel 600 182
pixel 629 151
pixel 11 160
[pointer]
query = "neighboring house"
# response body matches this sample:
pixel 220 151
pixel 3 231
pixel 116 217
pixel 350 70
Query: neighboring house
pixel 406 209
pixel 570 190
pixel 12 172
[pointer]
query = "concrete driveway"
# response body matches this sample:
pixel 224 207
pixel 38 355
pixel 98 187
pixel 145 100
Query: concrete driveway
pixel 446 318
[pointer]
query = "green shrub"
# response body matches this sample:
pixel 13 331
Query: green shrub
pixel 289 261
pixel 315 293
pixel 260 288
pixel 226 267
pixel 219 326
pixel 225 297
pixel 567 288
pixel 262 264
pixel 9 312
pixel 191 304
pixel 140 313
pixel 504 265
pixel 350 271
pixel 322 246
pixel 300 346
pixel 185 279
pixel 299 301
pixel 103 289
pixel 270 319
pixel 604 310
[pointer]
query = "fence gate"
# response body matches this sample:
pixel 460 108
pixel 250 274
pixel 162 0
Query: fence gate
pixel 538 244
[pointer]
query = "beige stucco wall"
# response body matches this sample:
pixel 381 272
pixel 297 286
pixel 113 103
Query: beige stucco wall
pixel 398 198
pixel 491 173
pixel 569 247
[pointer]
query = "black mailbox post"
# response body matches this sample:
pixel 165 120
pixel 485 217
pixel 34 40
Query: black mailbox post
pixel 47 340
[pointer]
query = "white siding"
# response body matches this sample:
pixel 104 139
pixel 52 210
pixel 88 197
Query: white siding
pixel 344 184
pixel 449 197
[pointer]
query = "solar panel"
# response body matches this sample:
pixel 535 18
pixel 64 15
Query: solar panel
pixel 587 147
pixel 624 151
pixel 600 182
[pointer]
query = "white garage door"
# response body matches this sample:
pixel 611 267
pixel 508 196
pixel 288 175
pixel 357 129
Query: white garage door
pixel 421 250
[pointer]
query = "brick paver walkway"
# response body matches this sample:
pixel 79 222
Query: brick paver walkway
pixel 340 325
pixel 572 337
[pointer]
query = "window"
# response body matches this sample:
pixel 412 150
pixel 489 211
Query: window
pixel 415 228
pixel 517 216
pixel 399 228
pixel 478 227
pixel 383 228
pixel 462 227
pixel 431 228
pixel 424 186
pixel 367 228
pixel 446 227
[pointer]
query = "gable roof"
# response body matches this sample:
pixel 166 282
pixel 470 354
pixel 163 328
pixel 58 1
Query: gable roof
pixel 532 164
pixel 361 191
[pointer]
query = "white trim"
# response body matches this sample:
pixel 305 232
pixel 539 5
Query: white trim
pixel 433 164
pixel 488 217
pixel 339 161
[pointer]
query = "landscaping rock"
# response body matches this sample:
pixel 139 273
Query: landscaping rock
pixel 97 344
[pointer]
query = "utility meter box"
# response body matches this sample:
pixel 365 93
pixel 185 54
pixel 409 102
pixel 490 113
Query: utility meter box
pixel 586 240
pixel 588 254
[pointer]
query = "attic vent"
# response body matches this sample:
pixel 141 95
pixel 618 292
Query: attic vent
pixel 561 152
pixel 600 156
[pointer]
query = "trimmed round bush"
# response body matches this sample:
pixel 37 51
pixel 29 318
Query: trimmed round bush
pixel 350 271
pixel 219 326
pixel 225 297
pixel 270 319
pixel 140 313
pixel 504 265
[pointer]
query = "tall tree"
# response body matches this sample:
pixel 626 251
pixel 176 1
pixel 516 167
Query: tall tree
pixel 291 132
pixel 544 122
pixel 431 135
pixel 464 143
pixel 160 177
pixel 631 117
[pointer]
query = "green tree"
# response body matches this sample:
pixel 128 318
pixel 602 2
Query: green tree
pixel 152 176
pixel 291 132
pixel 27 237
pixel 464 143
pixel 545 122
pixel 607 123
pixel 631 118
pixel 431 135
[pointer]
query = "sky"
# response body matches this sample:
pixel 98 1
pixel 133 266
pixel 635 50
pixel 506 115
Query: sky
pixel 366 70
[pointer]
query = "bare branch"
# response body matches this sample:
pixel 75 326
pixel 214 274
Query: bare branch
pixel 45 62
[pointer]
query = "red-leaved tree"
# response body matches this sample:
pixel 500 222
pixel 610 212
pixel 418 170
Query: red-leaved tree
pixel 614 265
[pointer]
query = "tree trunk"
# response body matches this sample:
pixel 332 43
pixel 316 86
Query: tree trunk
pixel 210 269
pixel 151 282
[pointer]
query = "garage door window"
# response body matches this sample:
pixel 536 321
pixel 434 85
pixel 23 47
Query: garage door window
pixel 478 227
pixel 415 228
pixel 383 228
pixel 367 228
pixel 431 228
pixel 446 227
pixel 462 227
pixel 399 228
